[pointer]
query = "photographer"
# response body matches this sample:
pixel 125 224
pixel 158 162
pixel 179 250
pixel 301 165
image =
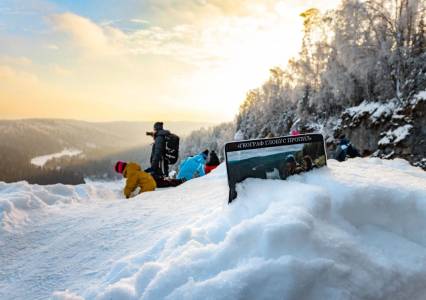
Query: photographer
pixel 159 166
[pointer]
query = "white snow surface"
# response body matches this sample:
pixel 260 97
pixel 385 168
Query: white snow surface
pixel 396 135
pixel 375 110
pixel 420 96
pixel 42 160
pixel 352 230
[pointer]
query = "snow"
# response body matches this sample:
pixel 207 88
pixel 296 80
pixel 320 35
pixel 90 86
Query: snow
pixel 239 136
pixel 352 230
pixel 396 135
pixel 420 96
pixel 42 160
pixel 375 110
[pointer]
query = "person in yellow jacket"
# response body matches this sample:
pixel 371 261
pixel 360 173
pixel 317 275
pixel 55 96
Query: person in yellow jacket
pixel 135 178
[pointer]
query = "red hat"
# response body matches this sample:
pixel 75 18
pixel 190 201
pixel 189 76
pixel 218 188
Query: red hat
pixel 120 166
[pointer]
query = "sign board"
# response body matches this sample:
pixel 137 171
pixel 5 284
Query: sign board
pixel 274 158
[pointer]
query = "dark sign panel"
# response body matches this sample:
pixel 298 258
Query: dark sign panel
pixel 275 158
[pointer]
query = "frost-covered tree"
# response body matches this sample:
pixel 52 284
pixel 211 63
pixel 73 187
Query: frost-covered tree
pixel 372 50
pixel 213 138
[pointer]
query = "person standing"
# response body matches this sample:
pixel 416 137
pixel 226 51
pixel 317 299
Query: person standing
pixel 159 165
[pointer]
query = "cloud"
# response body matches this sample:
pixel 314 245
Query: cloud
pixel 60 71
pixel 193 11
pixel 53 47
pixel 10 75
pixel 24 94
pixel 16 61
pixel 88 35
pixel 139 21
pixel 197 57
pixel 204 33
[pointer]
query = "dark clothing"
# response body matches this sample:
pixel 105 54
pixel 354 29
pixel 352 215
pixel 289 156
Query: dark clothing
pixel 158 126
pixel 213 159
pixel 341 151
pixel 158 164
pixel 353 152
pixel 211 163
pixel 344 141
pixel 344 149
pixel 163 182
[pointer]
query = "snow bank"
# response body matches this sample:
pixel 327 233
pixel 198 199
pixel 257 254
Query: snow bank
pixel 354 230
pixel 396 135
pixel 19 200
pixel 40 161
pixel 375 110
pixel 420 96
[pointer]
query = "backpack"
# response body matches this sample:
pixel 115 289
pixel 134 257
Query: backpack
pixel 172 149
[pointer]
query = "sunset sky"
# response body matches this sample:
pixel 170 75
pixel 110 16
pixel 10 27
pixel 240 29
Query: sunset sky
pixel 141 60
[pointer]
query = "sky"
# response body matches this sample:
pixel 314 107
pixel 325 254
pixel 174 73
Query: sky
pixel 142 60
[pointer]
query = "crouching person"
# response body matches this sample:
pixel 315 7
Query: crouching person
pixel 135 178
pixel 193 166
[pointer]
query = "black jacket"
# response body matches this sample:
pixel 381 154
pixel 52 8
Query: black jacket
pixel 213 159
pixel 158 149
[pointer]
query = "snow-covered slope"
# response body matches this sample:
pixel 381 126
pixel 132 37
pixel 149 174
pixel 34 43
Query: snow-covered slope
pixel 353 230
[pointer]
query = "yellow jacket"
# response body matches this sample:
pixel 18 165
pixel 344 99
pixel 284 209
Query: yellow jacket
pixel 137 178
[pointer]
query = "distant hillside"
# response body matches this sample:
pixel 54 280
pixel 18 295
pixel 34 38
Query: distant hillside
pixel 44 136
pixel 23 140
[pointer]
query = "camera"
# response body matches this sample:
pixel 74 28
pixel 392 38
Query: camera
pixel 150 133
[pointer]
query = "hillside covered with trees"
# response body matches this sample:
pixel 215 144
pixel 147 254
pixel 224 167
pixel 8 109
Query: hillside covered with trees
pixel 361 71
pixel 99 145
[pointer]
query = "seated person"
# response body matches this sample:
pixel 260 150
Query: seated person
pixel 344 149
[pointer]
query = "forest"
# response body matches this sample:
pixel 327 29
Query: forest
pixel 362 52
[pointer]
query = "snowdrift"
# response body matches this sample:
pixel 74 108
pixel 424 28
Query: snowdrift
pixel 19 200
pixel 353 230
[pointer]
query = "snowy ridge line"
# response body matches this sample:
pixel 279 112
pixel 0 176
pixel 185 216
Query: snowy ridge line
pixel 349 231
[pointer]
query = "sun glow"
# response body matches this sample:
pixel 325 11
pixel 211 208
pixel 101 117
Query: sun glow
pixel 173 65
